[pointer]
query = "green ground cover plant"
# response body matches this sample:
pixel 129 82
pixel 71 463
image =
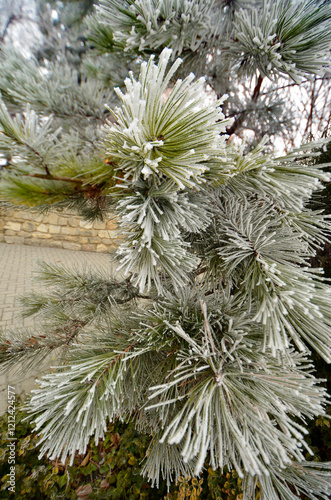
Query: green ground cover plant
pixel 110 469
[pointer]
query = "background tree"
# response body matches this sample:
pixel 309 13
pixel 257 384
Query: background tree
pixel 205 340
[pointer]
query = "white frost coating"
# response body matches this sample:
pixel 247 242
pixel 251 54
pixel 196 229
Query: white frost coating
pixel 151 127
pixel 163 142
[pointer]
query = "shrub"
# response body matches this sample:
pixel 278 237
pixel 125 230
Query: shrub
pixel 110 469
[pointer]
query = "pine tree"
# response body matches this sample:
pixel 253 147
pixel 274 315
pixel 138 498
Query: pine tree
pixel 205 338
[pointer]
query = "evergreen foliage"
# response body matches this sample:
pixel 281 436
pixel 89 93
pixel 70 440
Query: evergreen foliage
pixel 111 469
pixel 107 470
pixel 205 340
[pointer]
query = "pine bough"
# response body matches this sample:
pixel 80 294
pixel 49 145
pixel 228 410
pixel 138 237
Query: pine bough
pixel 205 341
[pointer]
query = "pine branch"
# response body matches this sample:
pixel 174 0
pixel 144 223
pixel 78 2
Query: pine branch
pixel 25 349
pixel 214 363
pixel 31 148
pixel 49 176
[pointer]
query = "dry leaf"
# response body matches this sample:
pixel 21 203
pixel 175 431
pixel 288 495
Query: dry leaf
pixel 104 484
pixel 84 491
pixel 86 459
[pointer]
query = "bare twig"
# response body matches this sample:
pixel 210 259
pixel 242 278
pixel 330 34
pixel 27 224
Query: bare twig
pixel 311 111
pixel 239 120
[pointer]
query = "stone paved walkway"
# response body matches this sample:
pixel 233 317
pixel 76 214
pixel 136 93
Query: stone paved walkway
pixel 17 265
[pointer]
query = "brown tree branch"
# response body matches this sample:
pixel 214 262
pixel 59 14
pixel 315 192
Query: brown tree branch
pixel 239 121
pixel 311 110
pixel 290 85
pixel 44 164
pixel 34 151
pixel 257 89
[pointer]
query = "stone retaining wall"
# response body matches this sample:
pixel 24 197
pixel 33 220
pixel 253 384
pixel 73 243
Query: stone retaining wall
pixel 56 229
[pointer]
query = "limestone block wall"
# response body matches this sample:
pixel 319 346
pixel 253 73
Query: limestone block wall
pixel 56 229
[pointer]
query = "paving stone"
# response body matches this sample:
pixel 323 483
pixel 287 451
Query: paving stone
pixel 71 246
pixel 17 268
